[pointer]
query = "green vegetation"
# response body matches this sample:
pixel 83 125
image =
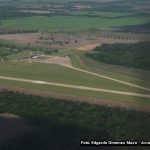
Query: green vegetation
pixel 68 123
pixel 66 23
pixel 60 124
pixel 8 48
pixel 130 55
pixel 8 12
pixel 5 52
pixel 12 51
pixel 101 5
pixel 101 14
pixel 22 55
pixel 76 92
pixel 60 74
pixel 132 75
pixel 142 28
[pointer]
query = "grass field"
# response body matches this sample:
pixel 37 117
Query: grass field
pixel 136 76
pixel 75 92
pixel 69 23
pixel 55 73
pixel 101 14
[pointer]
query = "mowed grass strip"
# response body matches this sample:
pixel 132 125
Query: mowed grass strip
pixel 60 74
pixel 74 92
pixel 66 23
pixel 131 75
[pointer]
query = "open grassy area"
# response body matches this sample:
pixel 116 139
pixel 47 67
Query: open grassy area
pixel 69 23
pixel 55 73
pixel 75 92
pixel 136 76
pixel 101 13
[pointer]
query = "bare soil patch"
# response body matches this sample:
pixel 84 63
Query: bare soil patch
pixel 67 40
pixel 22 38
pixel 88 47
pixel 12 125
pixel 65 61
pixel 80 7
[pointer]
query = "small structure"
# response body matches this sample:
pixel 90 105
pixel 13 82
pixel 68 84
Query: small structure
pixel 34 57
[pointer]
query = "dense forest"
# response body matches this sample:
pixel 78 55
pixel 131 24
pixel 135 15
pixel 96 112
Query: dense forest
pixel 136 55
pixel 60 125
pixel 7 12
pixel 142 28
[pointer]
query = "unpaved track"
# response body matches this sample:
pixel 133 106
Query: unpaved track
pixel 109 78
pixel 75 87
pixel 101 76
pixel 75 98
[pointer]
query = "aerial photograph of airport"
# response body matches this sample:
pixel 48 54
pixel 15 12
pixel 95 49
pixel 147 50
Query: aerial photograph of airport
pixel 74 74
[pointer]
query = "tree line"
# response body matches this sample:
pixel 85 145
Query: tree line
pixel 136 55
pixel 59 124
pixel 17 31
pixel 9 48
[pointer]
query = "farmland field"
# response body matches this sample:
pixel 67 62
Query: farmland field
pixel 102 14
pixel 65 23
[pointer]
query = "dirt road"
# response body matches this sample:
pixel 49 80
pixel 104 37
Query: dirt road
pixel 75 98
pixel 75 87
pixel 109 78
pixel 95 74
